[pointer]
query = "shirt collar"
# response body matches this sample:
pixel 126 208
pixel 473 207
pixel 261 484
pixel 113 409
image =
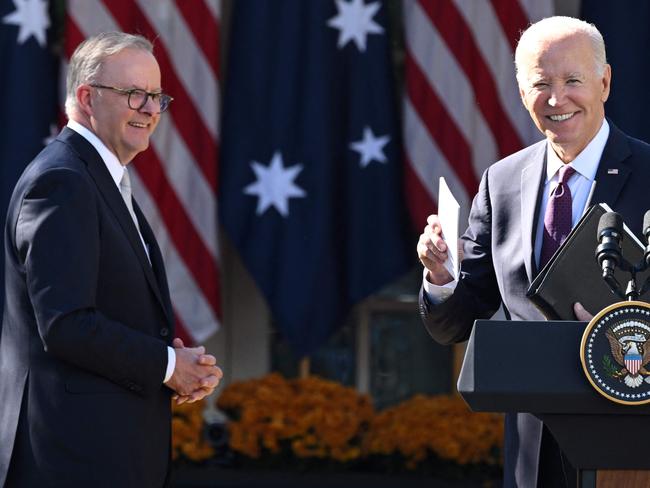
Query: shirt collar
pixel 586 163
pixel 113 164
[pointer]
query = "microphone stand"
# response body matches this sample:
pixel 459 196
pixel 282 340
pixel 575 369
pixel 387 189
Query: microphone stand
pixel 631 291
pixel 646 285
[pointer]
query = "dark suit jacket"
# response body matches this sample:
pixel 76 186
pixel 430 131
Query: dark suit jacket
pixel 86 325
pixel 499 263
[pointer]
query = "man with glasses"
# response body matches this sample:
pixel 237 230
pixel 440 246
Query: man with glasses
pixel 88 367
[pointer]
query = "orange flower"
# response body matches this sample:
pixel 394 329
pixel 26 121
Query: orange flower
pixel 313 418
pixel 318 418
pixel 187 432
pixel 442 425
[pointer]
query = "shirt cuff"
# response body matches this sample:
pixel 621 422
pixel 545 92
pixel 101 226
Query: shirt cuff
pixel 171 364
pixel 437 293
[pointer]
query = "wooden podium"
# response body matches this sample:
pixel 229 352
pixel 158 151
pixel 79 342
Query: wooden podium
pixel 535 367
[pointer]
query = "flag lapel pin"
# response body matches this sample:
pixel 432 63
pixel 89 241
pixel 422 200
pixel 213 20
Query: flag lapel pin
pixel 612 171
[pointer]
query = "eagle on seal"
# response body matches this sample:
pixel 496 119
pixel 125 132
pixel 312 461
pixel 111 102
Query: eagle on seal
pixel 633 357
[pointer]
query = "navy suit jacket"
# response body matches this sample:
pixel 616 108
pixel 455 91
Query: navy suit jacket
pixel 87 321
pixel 499 263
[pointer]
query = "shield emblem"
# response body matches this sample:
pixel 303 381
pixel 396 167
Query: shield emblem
pixel 633 363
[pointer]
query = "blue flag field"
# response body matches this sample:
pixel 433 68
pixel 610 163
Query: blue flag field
pixel 311 170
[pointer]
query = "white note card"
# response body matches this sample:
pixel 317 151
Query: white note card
pixel 449 215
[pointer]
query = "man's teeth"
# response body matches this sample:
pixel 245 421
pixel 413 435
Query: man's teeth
pixel 560 118
pixel 138 124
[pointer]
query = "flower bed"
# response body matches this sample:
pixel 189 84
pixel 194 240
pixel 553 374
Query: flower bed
pixel 436 433
pixel 189 443
pixel 307 418
pixel 314 423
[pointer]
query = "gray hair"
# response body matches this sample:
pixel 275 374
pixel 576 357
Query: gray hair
pixel 553 27
pixel 87 60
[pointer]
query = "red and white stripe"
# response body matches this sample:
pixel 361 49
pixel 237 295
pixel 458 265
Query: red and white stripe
pixel 175 181
pixel 462 110
pixel 633 364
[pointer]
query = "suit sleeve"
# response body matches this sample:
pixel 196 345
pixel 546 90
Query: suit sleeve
pixel 58 240
pixel 477 294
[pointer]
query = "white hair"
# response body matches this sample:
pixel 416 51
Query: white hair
pixel 554 28
pixel 87 60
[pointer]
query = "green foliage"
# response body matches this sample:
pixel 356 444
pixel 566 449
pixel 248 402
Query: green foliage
pixel 609 367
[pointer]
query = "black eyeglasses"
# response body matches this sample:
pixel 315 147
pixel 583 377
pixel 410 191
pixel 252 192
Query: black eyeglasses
pixel 138 98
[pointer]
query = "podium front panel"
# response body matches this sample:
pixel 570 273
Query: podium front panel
pixel 531 367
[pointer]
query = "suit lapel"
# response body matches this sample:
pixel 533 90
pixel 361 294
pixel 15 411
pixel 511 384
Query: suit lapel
pixel 531 186
pixel 611 176
pixel 612 171
pixel 113 198
pixel 157 264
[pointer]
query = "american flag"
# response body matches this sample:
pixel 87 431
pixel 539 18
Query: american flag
pixel 462 110
pixel 175 181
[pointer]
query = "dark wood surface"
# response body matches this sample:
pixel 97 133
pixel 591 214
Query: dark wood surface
pixel 622 479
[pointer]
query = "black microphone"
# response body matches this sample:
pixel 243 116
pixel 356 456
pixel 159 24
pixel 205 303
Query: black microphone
pixel 610 234
pixel 646 233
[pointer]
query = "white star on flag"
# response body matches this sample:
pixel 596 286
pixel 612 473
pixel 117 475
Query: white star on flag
pixel 371 148
pixel 274 185
pixel 354 21
pixel 32 18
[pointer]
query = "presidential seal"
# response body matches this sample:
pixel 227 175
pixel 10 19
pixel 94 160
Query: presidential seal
pixel 615 352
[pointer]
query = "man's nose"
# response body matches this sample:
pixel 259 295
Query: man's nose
pixel 557 96
pixel 151 107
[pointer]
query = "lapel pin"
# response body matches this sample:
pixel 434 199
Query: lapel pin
pixel 612 171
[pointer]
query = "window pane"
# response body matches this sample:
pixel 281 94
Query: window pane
pixel 404 360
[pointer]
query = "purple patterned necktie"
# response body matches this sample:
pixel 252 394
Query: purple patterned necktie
pixel 557 219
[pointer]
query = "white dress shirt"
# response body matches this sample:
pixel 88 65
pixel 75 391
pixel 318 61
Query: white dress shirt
pixel 116 171
pixel 581 184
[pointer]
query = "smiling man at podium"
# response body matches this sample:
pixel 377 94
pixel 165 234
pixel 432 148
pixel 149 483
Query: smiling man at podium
pixel 526 205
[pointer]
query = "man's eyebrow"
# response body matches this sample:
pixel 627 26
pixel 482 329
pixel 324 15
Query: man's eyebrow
pixel 135 87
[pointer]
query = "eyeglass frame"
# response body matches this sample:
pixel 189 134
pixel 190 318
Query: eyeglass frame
pixel 131 91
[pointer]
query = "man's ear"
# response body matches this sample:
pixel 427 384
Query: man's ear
pixel 607 82
pixel 84 99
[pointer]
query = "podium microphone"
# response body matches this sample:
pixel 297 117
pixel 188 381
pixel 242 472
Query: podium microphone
pixel 610 233
pixel 646 233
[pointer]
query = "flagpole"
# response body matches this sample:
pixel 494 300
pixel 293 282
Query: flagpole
pixel 304 366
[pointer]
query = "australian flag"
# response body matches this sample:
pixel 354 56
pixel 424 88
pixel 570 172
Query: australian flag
pixel 311 174
pixel 28 94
